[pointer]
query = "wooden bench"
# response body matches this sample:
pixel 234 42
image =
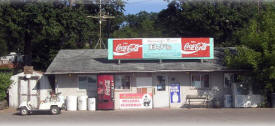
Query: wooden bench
pixel 195 98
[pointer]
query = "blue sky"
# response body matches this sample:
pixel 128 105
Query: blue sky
pixel 135 6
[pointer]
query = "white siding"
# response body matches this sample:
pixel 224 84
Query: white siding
pixel 13 89
pixel 68 86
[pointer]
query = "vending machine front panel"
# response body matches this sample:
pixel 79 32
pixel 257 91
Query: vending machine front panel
pixel 105 84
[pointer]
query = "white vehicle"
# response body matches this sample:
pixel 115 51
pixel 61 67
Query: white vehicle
pixel 54 104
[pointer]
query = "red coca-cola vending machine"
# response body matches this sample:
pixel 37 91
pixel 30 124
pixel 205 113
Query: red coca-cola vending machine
pixel 105 92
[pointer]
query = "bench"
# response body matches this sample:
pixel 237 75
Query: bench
pixel 195 98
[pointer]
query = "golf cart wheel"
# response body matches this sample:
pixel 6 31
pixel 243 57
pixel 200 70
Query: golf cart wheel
pixel 24 111
pixel 55 110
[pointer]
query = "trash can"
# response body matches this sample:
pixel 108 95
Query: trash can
pixel 71 103
pixel 91 104
pixel 273 100
pixel 82 102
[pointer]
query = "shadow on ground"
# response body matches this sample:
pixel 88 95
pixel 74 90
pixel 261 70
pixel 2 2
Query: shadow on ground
pixel 35 113
pixel 197 106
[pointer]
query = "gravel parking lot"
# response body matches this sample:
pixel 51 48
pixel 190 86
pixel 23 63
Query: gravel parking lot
pixel 173 117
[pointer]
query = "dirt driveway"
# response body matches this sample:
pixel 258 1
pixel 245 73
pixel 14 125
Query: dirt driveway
pixel 159 117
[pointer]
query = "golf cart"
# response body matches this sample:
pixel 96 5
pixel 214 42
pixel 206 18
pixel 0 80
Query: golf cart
pixel 54 104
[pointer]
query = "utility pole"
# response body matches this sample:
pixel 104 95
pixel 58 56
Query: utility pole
pixel 101 17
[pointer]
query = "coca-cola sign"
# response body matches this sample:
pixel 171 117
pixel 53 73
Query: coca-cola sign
pixel 127 49
pixel 161 48
pixel 195 47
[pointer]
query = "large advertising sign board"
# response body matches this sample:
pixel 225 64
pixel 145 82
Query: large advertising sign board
pixel 135 101
pixel 161 48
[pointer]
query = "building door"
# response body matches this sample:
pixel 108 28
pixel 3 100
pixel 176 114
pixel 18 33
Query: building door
pixel 22 90
pixel 34 92
pixel 105 92
pixel 28 90
pixel 160 91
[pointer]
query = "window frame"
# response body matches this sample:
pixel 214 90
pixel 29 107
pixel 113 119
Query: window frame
pixel 122 89
pixel 232 80
pixel 80 89
pixel 201 74
pixel 165 82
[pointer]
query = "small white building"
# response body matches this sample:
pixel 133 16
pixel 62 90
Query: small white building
pixel 147 83
pixel 28 86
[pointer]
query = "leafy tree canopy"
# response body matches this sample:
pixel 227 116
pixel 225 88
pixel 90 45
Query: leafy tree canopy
pixel 4 84
pixel 40 29
pixel 139 25
pixel 217 19
pixel 257 48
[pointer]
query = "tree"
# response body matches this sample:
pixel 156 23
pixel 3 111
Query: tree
pixel 40 29
pixel 4 84
pixel 217 19
pixel 3 44
pixel 142 24
pixel 257 50
pixel 3 47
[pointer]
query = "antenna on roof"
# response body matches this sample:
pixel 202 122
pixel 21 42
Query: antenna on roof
pixel 101 17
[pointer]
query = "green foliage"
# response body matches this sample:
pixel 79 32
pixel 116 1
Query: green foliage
pixel 41 29
pixel 4 84
pixel 244 59
pixel 217 19
pixel 3 44
pixel 3 48
pixel 257 50
pixel 142 24
pixel 6 70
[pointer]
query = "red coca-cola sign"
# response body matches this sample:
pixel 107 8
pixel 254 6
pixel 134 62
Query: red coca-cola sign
pixel 195 47
pixel 127 49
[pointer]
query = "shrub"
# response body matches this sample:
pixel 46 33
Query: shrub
pixel 4 84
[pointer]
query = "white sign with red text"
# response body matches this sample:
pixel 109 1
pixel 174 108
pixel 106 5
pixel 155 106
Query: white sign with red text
pixel 135 101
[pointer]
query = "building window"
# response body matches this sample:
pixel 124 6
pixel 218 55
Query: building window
pixel 161 80
pixel 122 82
pixel 205 80
pixel 87 82
pixel 200 80
pixel 229 79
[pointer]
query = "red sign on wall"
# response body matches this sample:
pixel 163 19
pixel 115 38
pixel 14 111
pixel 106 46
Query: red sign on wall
pixel 127 49
pixel 195 47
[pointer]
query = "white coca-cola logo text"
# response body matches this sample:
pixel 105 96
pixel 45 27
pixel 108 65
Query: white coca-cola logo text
pixel 190 48
pixel 125 49
pixel 107 87
pixel 193 47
